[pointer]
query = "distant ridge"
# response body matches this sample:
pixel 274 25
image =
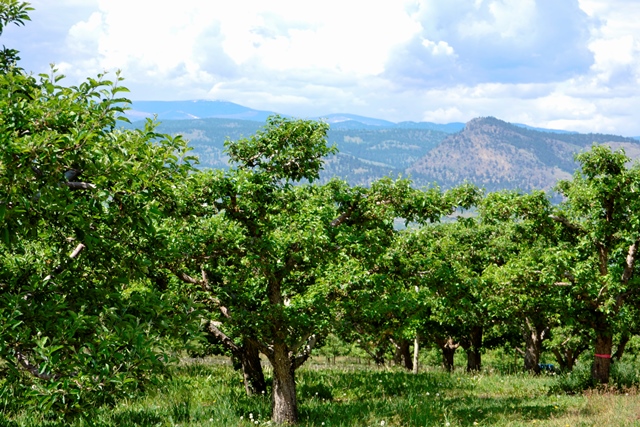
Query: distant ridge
pixel 203 109
pixel 199 109
pixel 486 151
pixel 337 119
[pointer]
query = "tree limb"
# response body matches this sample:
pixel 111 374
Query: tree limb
pixel 188 279
pixel 342 218
pixel 79 185
pixel 60 268
pixel 630 261
pixel 32 369
pixel 306 352
pixel 226 341
pixel 77 251
pixel 564 221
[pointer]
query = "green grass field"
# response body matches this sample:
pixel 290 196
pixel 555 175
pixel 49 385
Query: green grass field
pixel 210 393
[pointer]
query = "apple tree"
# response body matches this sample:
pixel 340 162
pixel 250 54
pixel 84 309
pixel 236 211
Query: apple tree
pixel 79 201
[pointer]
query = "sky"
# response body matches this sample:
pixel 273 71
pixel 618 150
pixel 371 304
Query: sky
pixel 562 64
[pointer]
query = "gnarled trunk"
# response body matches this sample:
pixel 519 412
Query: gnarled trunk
pixel 252 373
pixel 567 357
pixel 602 359
pixel 448 354
pixel 247 354
pixel 285 404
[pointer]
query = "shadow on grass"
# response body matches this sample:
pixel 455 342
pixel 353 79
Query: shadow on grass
pixel 413 410
pixel 398 398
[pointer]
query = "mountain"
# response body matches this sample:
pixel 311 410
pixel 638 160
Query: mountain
pixel 486 151
pixel 495 154
pixel 202 109
pixel 186 110
pixel 365 154
pixel 336 119
pixel 542 129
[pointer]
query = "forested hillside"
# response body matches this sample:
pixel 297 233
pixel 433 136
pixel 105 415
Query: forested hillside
pixel 488 152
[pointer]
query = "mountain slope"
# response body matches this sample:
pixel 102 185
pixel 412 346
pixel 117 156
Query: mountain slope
pixel 188 110
pixel 495 154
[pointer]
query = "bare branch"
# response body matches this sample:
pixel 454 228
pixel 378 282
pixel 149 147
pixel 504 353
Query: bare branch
pixel 188 279
pixel 205 278
pixel 630 261
pixel 77 251
pixel 79 185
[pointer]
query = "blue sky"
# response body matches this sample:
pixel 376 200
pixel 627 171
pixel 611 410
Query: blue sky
pixel 565 64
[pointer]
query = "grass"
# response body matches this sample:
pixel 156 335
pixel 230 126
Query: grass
pixel 211 394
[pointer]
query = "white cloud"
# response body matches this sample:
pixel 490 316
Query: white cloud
pixel 572 63
pixel 444 115
pixel 440 48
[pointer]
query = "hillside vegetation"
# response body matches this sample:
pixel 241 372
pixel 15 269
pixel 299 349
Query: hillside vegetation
pixel 489 152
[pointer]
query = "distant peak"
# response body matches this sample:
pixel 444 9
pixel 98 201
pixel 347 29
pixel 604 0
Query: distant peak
pixel 489 120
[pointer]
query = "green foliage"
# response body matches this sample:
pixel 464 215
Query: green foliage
pixel 289 150
pixel 16 12
pixel 13 11
pixel 576 381
pixel 601 230
pixel 79 205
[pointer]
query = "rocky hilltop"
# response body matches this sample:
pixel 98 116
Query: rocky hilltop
pixel 495 154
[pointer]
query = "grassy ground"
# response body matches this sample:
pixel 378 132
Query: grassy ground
pixel 212 394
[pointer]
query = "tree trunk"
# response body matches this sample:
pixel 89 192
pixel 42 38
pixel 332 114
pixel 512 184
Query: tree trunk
pixel 533 336
pixel 403 353
pixel 602 359
pixel 448 354
pixel 474 359
pixel 567 357
pixel 397 354
pixel 416 353
pixel 247 354
pixel 252 373
pixel 285 406
pixel 378 356
pixel 474 345
pixel 448 348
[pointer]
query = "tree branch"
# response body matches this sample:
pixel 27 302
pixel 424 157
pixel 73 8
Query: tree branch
pixel 60 268
pixel 77 251
pixel 188 279
pixel 342 218
pixel 564 221
pixel 226 341
pixel 32 369
pixel 79 185
pixel 306 352
pixel 630 261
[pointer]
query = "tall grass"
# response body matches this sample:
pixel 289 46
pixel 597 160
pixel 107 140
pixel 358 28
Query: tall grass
pixel 351 394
